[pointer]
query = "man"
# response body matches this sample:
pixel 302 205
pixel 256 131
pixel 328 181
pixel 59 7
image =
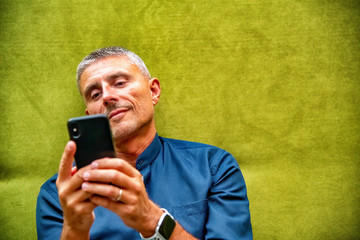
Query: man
pixel 156 188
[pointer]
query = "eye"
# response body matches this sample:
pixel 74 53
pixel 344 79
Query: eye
pixel 95 94
pixel 120 83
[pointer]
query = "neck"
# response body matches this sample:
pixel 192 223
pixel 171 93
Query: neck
pixel 130 149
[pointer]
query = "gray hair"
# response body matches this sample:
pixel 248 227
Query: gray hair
pixel 107 52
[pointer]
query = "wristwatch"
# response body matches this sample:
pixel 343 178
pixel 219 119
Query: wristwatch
pixel 164 228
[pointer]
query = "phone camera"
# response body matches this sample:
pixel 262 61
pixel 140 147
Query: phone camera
pixel 75 131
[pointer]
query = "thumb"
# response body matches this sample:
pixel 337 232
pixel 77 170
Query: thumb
pixel 66 162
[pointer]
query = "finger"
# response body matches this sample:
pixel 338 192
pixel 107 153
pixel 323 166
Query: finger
pixel 72 212
pixel 108 191
pixel 66 161
pixel 109 176
pixel 74 183
pixel 77 197
pixel 73 171
pixel 85 207
pixel 106 203
pixel 116 163
pixel 119 208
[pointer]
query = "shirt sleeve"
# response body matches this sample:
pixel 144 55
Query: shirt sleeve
pixel 49 218
pixel 228 205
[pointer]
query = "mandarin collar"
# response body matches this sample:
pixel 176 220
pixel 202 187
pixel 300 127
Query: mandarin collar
pixel 150 154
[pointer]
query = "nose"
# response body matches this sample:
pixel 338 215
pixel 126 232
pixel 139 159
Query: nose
pixel 109 96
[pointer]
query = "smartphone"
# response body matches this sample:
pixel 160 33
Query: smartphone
pixel 93 138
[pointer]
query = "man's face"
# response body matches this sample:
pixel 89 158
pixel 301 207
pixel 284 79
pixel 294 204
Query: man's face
pixel 117 87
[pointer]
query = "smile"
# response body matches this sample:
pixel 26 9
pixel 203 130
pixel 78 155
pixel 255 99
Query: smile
pixel 117 113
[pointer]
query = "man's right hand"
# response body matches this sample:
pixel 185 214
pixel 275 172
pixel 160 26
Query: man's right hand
pixel 77 209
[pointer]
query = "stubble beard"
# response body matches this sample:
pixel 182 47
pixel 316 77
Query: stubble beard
pixel 130 126
pixel 128 129
pixel 123 131
pixel 122 128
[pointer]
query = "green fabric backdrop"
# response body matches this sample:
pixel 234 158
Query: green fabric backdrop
pixel 275 82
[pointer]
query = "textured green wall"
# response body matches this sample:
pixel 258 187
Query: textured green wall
pixel 275 82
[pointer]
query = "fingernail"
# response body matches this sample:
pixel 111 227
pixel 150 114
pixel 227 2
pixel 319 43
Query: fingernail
pixel 69 147
pixel 86 176
pixel 84 186
pixel 94 165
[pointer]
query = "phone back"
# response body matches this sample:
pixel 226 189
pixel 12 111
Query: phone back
pixel 93 138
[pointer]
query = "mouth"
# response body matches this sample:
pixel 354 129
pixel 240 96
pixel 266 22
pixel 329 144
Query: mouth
pixel 117 113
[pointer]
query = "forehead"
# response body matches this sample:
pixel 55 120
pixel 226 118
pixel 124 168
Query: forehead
pixel 105 67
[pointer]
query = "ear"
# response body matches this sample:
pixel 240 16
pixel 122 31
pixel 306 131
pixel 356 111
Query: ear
pixel 155 90
pixel 87 112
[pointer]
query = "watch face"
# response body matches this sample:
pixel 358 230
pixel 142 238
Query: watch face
pixel 167 227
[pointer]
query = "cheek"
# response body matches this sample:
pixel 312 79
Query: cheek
pixel 140 96
pixel 94 108
pixel 144 100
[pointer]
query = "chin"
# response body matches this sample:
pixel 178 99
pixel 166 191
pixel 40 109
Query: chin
pixel 122 132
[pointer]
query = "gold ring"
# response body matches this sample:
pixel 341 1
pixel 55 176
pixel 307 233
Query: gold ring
pixel 119 197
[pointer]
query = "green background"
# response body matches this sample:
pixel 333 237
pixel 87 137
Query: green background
pixel 275 82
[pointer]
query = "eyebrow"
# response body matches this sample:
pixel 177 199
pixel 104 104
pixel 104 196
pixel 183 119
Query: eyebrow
pixel 117 75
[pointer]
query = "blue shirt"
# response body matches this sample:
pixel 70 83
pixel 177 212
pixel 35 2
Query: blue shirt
pixel 200 185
